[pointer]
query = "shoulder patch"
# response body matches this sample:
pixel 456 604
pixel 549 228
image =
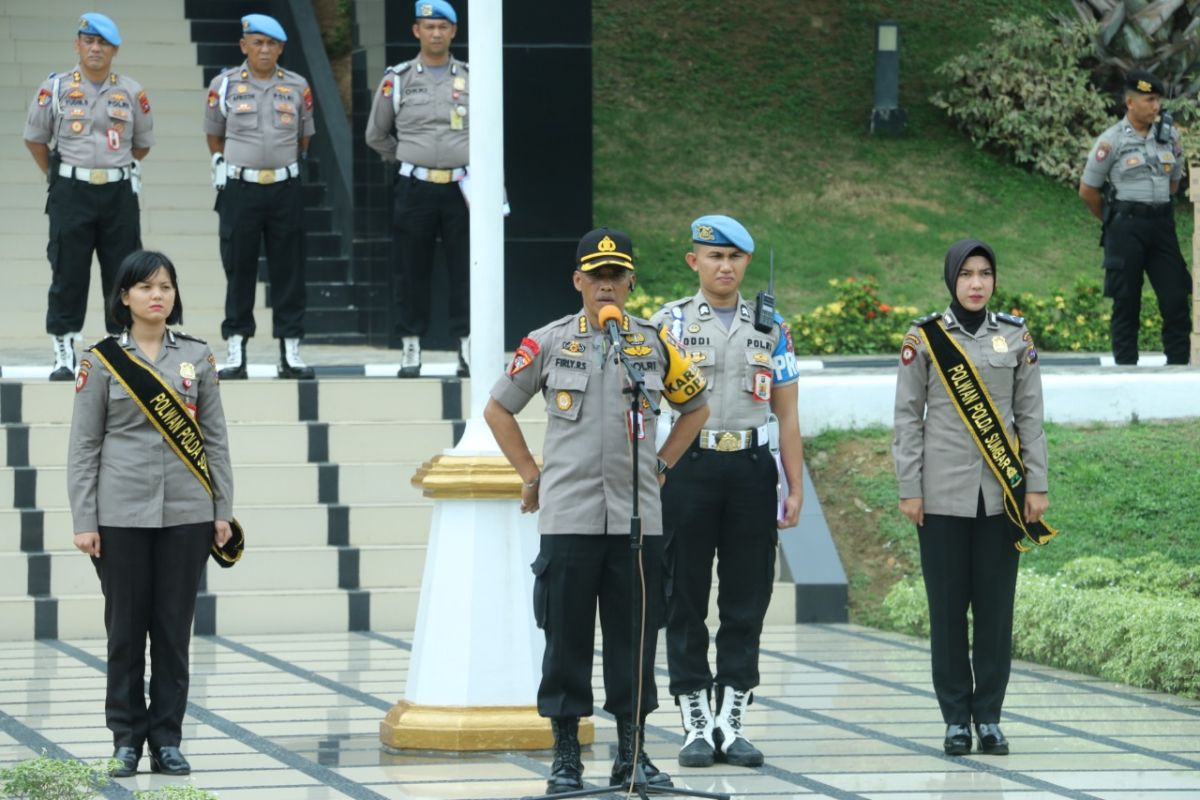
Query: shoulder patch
pixel 927 318
pixel 1010 319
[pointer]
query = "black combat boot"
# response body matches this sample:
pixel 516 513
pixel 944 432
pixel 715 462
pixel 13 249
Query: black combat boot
pixel 566 774
pixel 623 763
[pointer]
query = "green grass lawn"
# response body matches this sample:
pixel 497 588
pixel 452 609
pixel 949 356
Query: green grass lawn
pixel 702 109
pixel 1117 491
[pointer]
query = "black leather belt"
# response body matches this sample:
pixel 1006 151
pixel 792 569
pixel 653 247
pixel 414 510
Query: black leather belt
pixel 1131 209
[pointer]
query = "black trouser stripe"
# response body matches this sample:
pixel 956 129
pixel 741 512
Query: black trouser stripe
pixel 265 746
pixel 17 444
pixel 33 530
pixel 452 398
pixel 10 402
pixel 38 743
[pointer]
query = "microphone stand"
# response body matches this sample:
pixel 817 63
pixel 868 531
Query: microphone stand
pixel 637 606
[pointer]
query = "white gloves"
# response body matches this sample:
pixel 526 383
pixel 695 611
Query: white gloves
pixel 219 173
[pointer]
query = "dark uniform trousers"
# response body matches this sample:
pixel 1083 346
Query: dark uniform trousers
pixel 421 212
pixel 249 213
pixel 722 504
pixel 1137 245
pixel 573 573
pixel 86 218
pixel 969 563
pixel 150 577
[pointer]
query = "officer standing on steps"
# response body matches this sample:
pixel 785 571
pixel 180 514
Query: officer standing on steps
pixel 722 497
pixel 585 495
pixel 1141 157
pixel 100 126
pixel 419 118
pixel 259 120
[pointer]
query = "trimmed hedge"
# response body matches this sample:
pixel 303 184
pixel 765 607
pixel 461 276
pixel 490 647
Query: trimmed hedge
pixel 1125 632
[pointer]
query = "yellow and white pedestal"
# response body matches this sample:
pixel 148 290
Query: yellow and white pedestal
pixel 477 654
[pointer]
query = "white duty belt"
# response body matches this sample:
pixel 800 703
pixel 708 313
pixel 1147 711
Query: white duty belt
pixel 432 175
pixel 95 177
pixel 262 176
pixel 732 441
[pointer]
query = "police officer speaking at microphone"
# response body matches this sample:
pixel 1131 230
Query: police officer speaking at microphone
pixel 419 118
pixel 99 126
pixel 722 498
pixel 584 493
pixel 1141 159
pixel 259 120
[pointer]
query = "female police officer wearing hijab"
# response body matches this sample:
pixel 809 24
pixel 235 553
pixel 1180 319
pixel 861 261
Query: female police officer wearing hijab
pixel 151 492
pixel 968 383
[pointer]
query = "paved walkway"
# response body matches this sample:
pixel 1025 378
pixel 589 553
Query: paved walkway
pixel 844 712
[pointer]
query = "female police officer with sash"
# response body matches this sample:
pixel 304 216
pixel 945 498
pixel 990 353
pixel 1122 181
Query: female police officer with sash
pixel 151 492
pixel 971 461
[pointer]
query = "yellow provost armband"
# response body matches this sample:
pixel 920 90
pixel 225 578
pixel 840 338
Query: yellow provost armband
pixel 682 381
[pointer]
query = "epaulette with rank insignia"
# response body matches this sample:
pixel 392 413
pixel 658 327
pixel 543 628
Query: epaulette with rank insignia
pixel 1010 319
pixel 927 318
pixel 189 337
pixel 399 69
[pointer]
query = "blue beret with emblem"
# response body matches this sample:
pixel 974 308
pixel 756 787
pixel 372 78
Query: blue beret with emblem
pixel 96 24
pixel 435 9
pixel 261 23
pixel 722 231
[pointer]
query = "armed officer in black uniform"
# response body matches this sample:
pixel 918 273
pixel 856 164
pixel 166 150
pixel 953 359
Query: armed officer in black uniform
pixel 1141 158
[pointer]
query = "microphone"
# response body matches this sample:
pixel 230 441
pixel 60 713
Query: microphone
pixel 610 317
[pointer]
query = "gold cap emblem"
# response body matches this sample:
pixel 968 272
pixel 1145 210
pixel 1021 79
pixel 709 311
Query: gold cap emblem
pixel 245 24
pixel 606 245
pixel 426 10
pixel 1144 86
pixel 704 233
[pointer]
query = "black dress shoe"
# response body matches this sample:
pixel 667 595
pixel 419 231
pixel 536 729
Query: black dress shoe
pixel 169 761
pixel 128 758
pixel 991 739
pixel 958 740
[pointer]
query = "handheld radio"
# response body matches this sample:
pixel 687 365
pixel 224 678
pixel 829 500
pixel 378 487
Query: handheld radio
pixel 764 306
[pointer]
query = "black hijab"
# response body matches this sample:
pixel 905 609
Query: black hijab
pixel 958 253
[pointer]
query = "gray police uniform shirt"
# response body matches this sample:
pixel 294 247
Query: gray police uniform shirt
pixel 266 118
pixel 585 486
pixel 741 365
pixel 937 458
pixel 1140 169
pixel 120 470
pixel 422 117
pixel 95 128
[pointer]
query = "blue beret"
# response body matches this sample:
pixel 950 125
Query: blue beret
pixel 261 23
pixel 96 24
pixel 435 9
pixel 722 231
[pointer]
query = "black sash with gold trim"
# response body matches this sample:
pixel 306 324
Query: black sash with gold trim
pixel 167 413
pixel 970 398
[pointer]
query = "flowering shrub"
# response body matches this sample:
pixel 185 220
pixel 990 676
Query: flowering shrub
pixel 1077 320
pixel 857 322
